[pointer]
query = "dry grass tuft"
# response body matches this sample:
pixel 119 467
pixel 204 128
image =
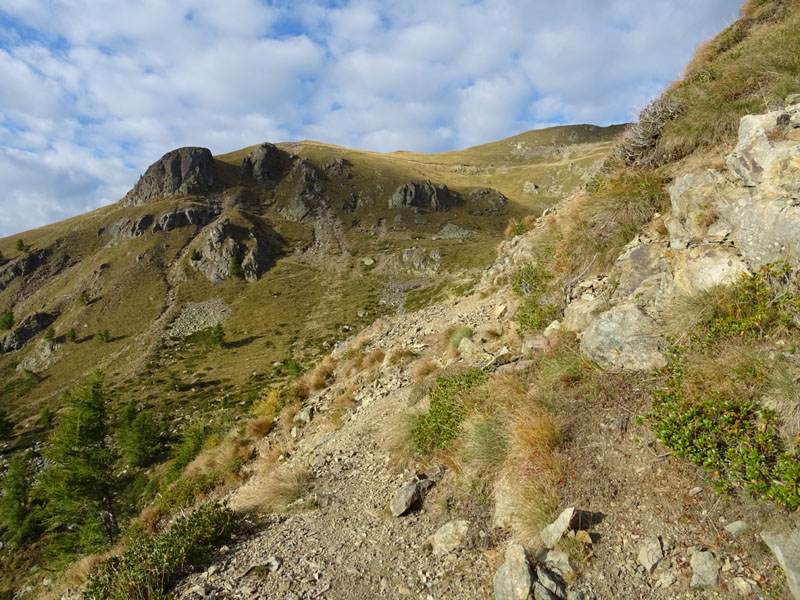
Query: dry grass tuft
pixel 362 361
pixel 322 374
pixel 78 572
pixel 284 487
pixel 783 398
pixel 149 518
pixel 423 368
pixel 259 428
pixel 686 312
pixel 286 418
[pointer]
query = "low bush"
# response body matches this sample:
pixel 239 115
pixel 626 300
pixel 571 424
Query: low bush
pixel 153 564
pixel 531 282
pixel 448 408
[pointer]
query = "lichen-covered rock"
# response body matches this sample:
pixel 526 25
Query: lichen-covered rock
pixel 266 163
pixel 28 328
pixel 702 267
pixel 223 245
pixel 183 171
pixel 423 195
pixel 624 338
pixel 786 548
pixel 421 259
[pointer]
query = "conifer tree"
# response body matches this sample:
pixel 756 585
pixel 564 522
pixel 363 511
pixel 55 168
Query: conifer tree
pixel 16 511
pixel 138 436
pixel 7 320
pixel 235 268
pixel 78 486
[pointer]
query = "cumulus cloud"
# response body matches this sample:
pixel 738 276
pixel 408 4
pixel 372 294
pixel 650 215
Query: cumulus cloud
pixel 95 90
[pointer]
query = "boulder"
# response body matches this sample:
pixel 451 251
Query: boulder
pixel 650 553
pixel 624 338
pixel 422 195
pixel 183 171
pixel 514 579
pixel 266 163
pixel 27 329
pixel 708 265
pixel 422 259
pixel 786 548
pixel 221 247
pixel 410 495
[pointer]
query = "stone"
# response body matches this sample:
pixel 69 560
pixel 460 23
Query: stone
pixel 556 561
pixel 624 338
pixel 448 537
pixel 705 266
pixel 126 229
pixel 21 266
pixel 514 579
pixel 737 528
pixel 483 201
pixel 552 330
pixel 423 195
pixel 303 417
pixel 503 357
pixel 665 581
pixel 705 569
pixel 504 505
pixel 339 167
pixel 557 529
pixel 187 170
pixel 579 313
pixel 745 586
pixel 499 311
pixel 422 259
pixel 368 262
pixel 786 548
pixel 453 232
pixel 650 553
pixel 266 163
pixel 408 497
pixel 222 247
pixel 197 316
pixel 198 216
pixel 540 592
pixel 468 348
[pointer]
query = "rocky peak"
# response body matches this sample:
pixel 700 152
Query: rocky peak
pixel 183 171
pixel 266 163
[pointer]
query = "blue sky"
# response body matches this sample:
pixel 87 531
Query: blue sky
pixel 93 91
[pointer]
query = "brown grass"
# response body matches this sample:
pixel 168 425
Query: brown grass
pixel 285 486
pixel 321 376
pixel 78 572
pixel 286 418
pixel 361 361
pixel 423 368
pixel 259 428
pixel 149 518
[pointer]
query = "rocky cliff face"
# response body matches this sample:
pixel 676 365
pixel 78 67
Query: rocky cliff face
pixel 724 223
pixel 183 171
pixel 266 163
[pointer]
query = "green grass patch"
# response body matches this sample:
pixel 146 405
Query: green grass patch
pixel 532 283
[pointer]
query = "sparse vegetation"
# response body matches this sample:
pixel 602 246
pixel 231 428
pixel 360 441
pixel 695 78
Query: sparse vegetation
pixel 285 486
pixel 18 514
pixel 70 336
pixel 152 564
pixel 531 283
pixel 235 268
pixel 104 336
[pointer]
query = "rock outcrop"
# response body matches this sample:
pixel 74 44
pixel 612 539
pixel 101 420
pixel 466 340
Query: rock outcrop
pixel 266 163
pixel 28 328
pixel 222 249
pixel 20 266
pixel 725 223
pixel 127 229
pixel 486 201
pixel 187 170
pixel 340 168
pixel 130 228
pixel 422 195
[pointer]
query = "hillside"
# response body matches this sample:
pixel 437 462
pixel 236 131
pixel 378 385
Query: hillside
pixel 396 403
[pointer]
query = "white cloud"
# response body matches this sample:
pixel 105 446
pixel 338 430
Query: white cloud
pixel 95 90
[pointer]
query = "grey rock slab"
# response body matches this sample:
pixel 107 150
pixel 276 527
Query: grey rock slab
pixel 556 561
pixel 557 529
pixel 650 553
pixel 514 579
pixel 665 581
pixel 624 338
pixel 705 569
pixel 737 528
pixel 540 592
pixel 449 537
pixel 786 548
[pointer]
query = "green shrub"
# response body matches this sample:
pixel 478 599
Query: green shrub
pixel 50 334
pixel 195 255
pixel 7 320
pixel 191 443
pixel 104 336
pixel 235 268
pixel 448 409
pixel 70 336
pixel 216 337
pixel 186 490
pixel 84 298
pixel 531 282
pixel 6 426
pixel 21 247
pixel 454 336
pixel 153 564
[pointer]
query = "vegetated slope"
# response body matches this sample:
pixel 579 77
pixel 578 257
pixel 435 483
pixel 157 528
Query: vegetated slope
pixel 289 251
